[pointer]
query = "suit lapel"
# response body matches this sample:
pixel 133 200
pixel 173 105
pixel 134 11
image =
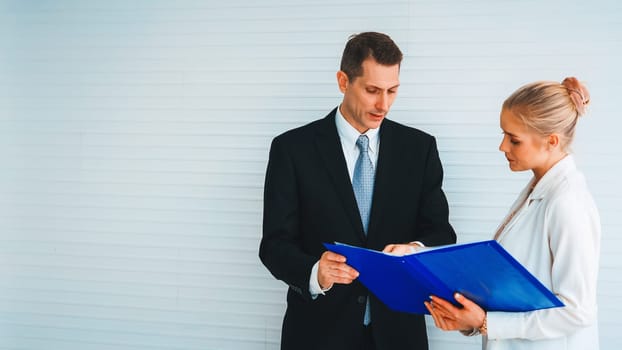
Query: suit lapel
pixel 329 146
pixel 382 180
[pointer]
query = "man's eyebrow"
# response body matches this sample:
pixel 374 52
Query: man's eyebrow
pixel 378 87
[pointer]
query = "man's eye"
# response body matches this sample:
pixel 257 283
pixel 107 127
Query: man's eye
pixel 514 142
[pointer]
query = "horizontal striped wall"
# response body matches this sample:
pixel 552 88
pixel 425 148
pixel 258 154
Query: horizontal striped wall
pixel 134 139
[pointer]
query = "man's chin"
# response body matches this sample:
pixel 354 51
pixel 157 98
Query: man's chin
pixel 375 123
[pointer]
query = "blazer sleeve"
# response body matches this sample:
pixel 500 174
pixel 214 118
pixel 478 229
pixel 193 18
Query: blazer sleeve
pixel 433 217
pixel 280 248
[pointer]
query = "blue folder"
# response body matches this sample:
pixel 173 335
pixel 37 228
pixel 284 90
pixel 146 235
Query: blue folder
pixel 482 271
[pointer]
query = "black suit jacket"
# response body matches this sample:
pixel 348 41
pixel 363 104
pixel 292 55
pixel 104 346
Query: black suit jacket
pixel 308 199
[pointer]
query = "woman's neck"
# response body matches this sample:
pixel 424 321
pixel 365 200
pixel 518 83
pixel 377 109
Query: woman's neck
pixel 548 164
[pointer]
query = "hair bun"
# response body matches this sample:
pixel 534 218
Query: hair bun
pixel 578 94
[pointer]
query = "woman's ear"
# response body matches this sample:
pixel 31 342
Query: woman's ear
pixel 342 81
pixel 553 140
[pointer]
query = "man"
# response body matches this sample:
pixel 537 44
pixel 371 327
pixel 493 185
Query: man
pixel 358 178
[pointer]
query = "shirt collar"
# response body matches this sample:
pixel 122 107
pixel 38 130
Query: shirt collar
pixel 348 134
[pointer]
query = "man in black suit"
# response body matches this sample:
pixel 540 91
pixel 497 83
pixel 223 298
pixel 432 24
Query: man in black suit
pixel 312 196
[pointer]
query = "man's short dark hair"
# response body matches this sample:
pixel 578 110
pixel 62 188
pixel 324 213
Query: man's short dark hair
pixel 361 46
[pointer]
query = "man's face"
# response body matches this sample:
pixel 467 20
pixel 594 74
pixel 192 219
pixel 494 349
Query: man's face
pixel 367 99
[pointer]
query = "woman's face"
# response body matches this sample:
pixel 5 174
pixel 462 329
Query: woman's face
pixel 524 148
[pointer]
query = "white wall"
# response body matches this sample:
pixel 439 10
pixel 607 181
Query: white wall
pixel 134 139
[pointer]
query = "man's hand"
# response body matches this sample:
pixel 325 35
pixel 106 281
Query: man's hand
pixel 333 269
pixel 402 249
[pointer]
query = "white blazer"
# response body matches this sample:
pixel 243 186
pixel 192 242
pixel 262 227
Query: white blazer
pixel 555 234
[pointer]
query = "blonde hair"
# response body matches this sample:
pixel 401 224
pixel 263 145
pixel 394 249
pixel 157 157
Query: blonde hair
pixel 549 107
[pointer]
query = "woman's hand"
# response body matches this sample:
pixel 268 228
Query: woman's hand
pixel 448 317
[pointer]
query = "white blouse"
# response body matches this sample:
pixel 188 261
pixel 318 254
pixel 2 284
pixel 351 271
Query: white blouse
pixel 555 234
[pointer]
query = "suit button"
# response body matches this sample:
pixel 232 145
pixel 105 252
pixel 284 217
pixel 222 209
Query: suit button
pixel 361 299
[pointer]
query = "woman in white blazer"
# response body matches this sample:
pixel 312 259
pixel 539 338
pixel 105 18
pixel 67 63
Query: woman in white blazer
pixel 553 228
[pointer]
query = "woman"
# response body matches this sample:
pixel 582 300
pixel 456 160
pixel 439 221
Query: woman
pixel 553 228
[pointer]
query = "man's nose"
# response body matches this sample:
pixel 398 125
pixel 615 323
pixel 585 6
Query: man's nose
pixel 382 103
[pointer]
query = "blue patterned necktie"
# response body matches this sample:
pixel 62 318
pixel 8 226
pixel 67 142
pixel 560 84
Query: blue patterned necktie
pixel 363 180
pixel 363 185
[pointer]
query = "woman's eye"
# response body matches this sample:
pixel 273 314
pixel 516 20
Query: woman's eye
pixel 514 142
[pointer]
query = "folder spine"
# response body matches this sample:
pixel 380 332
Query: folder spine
pixel 432 282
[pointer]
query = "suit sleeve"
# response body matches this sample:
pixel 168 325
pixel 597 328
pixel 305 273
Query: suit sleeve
pixel 433 217
pixel 281 245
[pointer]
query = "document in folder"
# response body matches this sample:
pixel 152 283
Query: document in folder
pixel 483 271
